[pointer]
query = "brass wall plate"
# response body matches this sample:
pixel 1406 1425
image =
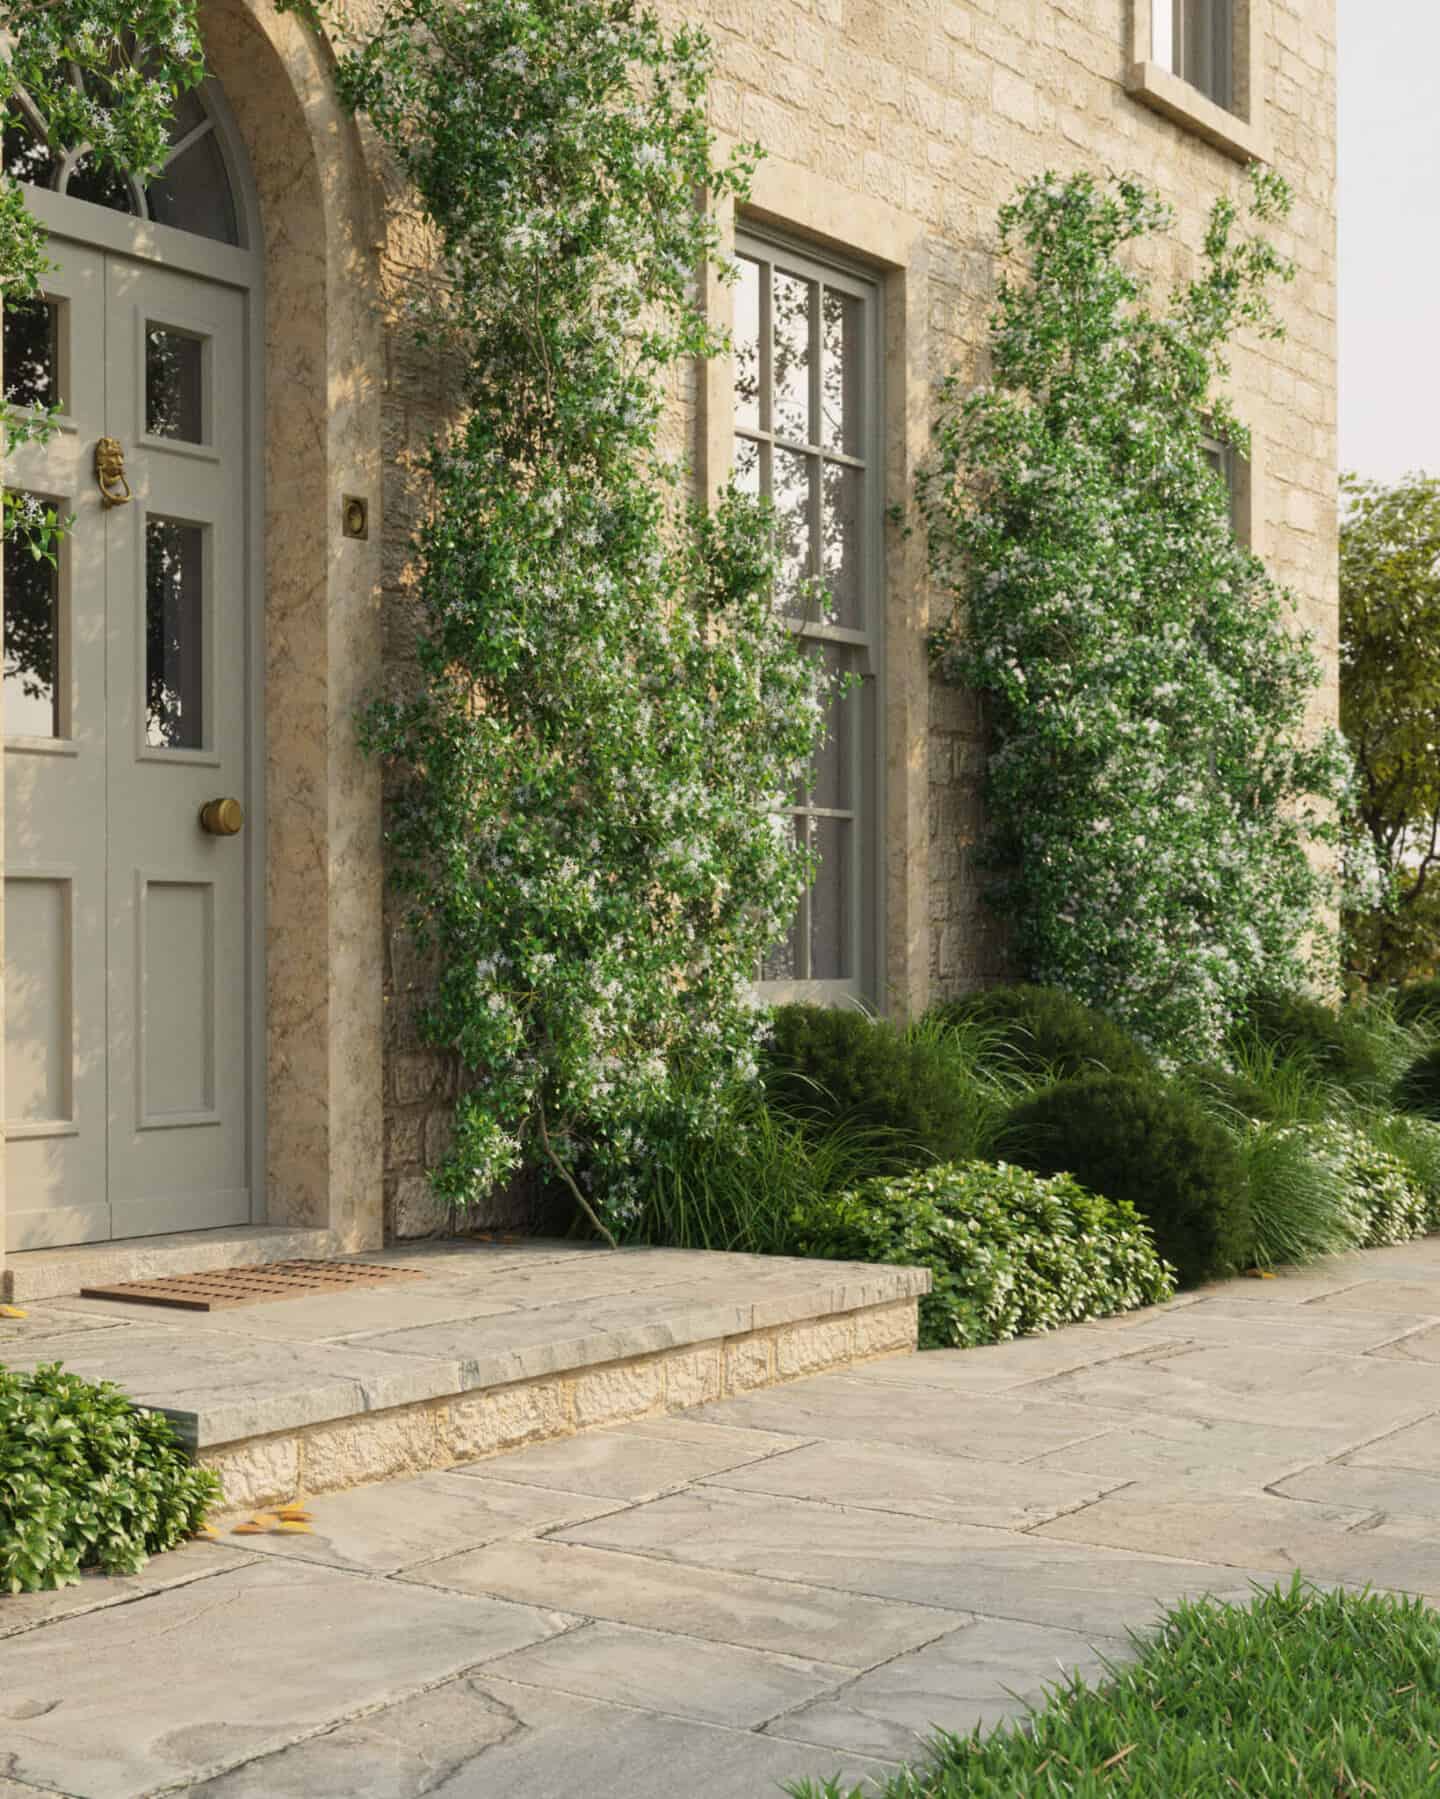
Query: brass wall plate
pixel 355 516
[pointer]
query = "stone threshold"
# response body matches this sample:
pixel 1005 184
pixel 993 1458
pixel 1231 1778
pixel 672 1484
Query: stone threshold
pixel 31 1274
pixel 468 1427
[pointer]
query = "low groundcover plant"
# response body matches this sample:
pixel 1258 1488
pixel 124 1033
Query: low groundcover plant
pixel 87 1480
pixel 1010 1253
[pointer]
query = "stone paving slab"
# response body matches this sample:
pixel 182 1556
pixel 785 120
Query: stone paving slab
pixel 996 1428
pixel 399 1524
pixel 621 1464
pixel 196 1678
pixel 1412 1446
pixel 887 1479
pixel 652 1670
pixel 92 1592
pixel 919 1560
pixel 1345 1394
pixel 1402 1491
pixel 783 1616
pixel 981 1674
pixel 491 1739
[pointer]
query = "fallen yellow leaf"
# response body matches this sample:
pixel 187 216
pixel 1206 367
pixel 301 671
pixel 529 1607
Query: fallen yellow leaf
pixel 12 1312
pixel 1260 1274
pixel 293 1513
pixel 294 1524
pixel 248 1530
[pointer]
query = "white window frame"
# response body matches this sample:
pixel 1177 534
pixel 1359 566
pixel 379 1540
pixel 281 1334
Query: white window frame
pixel 863 646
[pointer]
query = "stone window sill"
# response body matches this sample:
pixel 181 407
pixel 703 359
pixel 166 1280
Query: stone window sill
pixel 1155 86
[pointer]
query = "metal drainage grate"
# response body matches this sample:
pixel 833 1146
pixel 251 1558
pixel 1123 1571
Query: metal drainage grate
pixel 223 1287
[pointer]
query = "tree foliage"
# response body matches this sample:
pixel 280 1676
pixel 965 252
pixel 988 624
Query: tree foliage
pixel 1390 713
pixel 608 707
pixel 1153 796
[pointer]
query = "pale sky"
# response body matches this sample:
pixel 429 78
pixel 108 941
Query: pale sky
pixel 1389 75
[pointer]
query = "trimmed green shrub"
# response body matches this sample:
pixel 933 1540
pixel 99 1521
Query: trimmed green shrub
pixel 88 1480
pixel 1231 1095
pixel 1048 1031
pixel 1418 1002
pixel 1337 1042
pixel 1418 1089
pixel 1010 1253
pixel 1151 1146
pixel 828 1063
pixel 1382 1203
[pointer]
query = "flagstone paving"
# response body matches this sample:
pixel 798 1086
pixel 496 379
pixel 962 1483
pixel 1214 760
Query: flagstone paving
pixel 800 1581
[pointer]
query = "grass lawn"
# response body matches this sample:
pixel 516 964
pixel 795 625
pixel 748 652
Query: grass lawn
pixel 1297 1693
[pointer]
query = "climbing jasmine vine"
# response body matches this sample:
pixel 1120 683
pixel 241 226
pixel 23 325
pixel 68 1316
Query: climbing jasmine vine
pixel 1160 818
pixel 607 707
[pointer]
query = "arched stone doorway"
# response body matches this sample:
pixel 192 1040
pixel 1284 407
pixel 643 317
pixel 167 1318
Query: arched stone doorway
pixel 309 391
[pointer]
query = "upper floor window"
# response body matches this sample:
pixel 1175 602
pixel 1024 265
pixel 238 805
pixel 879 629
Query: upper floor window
pixel 1195 39
pixel 806 403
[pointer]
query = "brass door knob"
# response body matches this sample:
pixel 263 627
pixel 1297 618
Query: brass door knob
pixel 222 818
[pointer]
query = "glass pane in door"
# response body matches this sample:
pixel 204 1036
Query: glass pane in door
pixel 32 626
pixel 174 368
pixel 174 635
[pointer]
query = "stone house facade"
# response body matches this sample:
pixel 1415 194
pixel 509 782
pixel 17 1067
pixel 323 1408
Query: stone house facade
pixel 210 1032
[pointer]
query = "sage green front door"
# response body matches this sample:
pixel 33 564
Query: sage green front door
pixel 127 939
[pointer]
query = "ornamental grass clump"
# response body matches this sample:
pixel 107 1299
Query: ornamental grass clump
pixel 608 705
pixel 88 1480
pixel 1153 792
pixel 1009 1253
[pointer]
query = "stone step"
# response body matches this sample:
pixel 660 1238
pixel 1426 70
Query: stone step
pixel 496 1347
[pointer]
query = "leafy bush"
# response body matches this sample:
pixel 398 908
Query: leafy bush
pixel 1048 1031
pixel 1339 1044
pixel 1418 1089
pixel 1149 1145
pixel 1230 1096
pixel 1415 1142
pixel 828 1064
pixel 1381 1202
pixel 1010 1253
pixel 87 1480
pixel 1418 1003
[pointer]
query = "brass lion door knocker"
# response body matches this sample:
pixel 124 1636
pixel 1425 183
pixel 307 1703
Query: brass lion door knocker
pixel 110 472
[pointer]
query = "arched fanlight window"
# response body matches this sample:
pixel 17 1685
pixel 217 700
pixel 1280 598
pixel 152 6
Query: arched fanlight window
pixel 193 191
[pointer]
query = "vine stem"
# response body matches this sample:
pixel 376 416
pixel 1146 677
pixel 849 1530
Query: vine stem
pixel 568 1178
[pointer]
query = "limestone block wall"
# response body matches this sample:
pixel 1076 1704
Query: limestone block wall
pixel 930 112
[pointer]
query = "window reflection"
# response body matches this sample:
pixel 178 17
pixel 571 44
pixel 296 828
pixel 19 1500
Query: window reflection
pixel 174 625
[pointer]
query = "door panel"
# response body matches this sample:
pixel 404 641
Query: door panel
pixel 126 710
pixel 177 929
pixel 55 738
